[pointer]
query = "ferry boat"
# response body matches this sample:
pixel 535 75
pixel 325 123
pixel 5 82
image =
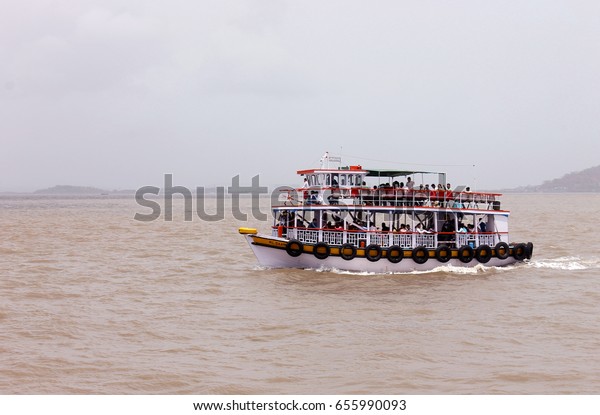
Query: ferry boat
pixel 384 221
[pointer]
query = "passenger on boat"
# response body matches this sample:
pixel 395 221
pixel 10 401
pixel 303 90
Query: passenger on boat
pixel 410 184
pixel 403 228
pixel 419 229
pixel 448 195
pixel 447 230
pixel 482 227
pixel 314 224
pixel 467 197
pixel 334 197
pixel 384 227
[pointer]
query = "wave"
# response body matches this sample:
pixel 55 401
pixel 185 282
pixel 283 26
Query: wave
pixel 567 263
pixel 449 269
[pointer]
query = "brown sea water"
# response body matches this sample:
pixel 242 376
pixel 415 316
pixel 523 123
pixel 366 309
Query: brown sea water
pixel 92 301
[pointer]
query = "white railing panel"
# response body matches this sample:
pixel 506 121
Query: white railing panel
pixel 333 238
pixel 403 240
pixel 307 236
pixel 354 237
pixel 487 240
pixel 381 239
pixel 426 240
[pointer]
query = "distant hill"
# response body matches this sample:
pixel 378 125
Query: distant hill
pixel 587 180
pixel 71 190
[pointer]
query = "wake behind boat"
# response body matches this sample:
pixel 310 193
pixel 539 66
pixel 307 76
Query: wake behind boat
pixel 340 219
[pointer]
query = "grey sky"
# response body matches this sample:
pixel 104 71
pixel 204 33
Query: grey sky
pixel 116 93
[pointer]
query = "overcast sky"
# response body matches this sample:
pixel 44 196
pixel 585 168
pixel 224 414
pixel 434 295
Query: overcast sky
pixel 116 93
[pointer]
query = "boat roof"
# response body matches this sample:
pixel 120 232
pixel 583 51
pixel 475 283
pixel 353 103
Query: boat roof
pixel 394 173
pixel 369 172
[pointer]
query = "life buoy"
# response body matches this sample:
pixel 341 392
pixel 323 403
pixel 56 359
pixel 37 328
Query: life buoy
pixel 420 254
pixel 520 252
pixel 502 250
pixel 529 250
pixel 345 255
pixel 465 253
pixel 483 254
pixel 395 254
pixel 373 252
pixel 443 253
pixel 294 247
pixel 321 250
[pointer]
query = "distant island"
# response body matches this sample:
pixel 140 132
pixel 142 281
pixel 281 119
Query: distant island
pixel 587 180
pixel 79 190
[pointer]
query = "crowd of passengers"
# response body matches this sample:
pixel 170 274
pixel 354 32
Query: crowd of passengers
pixel 397 193
pixel 447 229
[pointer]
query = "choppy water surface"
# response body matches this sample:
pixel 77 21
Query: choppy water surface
pixel 92 301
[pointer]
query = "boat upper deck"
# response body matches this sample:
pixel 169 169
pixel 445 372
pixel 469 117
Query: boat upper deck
pixel 347 186
pixel 388 196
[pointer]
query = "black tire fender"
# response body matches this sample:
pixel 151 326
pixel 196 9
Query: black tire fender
pixel 466 254
pixel 294 247
pixel 529 250
pixel 352 254
pixel 520 252
pixel 420 254
pixel 502 250
pixel 373 257
pixel 321 250
pixel 443 253
pixel 483 254
pixel 395 254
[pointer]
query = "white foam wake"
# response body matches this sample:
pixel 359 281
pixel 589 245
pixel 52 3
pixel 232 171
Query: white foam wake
pixel 568 263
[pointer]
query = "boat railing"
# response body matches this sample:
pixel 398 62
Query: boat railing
pixel 407 240
pixel 333 237
pixel 355 238
pixel 391 197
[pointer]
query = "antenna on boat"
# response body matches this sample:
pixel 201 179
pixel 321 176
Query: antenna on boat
pixel 325 160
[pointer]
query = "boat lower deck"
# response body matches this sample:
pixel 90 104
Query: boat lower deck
pixel 278 252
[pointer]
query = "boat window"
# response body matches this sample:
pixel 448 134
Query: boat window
pixel 327 180
pixel 342 180
pixel 350 180
pixel 320 179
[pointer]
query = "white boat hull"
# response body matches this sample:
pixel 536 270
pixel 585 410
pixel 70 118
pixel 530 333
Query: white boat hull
pixel 271 253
